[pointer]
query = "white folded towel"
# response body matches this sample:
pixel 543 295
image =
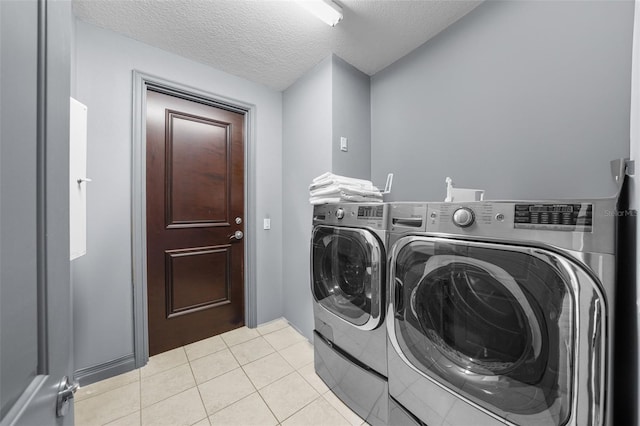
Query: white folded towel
pixel 327 179
pixel 323 176
pixel 331 188
pixel 337 189
pixel 344 198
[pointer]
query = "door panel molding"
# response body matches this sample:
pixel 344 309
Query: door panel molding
pixel 179 190
pixel 142 82
pixel 180 262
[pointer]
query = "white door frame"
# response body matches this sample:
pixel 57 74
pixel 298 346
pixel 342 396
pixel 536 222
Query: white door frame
pixel 142 81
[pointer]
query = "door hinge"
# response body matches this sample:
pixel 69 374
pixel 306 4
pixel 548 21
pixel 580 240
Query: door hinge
pixel 66 389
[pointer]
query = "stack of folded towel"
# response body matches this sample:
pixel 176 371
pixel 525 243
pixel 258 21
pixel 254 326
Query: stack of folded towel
pixel 330 188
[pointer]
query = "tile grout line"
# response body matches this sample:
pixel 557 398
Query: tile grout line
pixel 311 384
pixel 257 391
pixel 198 385
pixel 211 353
pixel 252 384
pixel 306 405
pixel 101 395
pixel 178 393
pixel 89 397
pixel 250 381
pixel 278 351
pixel 165 371
pixel 255 338
pixel 268 407
pixel 288 362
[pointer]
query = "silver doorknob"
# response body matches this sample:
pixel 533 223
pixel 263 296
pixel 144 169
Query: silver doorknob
pixel 236 235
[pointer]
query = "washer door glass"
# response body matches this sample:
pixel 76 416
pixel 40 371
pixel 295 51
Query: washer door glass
pixel 347 273
pixel 490 322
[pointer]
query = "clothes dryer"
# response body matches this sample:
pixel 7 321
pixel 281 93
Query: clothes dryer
pixel 348 283
pixel 502 312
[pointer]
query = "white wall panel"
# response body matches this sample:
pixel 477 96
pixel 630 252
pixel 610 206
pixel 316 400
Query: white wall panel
pixel 77 179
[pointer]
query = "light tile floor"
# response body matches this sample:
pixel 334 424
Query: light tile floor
pixel 261 376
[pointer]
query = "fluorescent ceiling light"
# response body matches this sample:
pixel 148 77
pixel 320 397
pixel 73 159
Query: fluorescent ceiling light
pixel 327 11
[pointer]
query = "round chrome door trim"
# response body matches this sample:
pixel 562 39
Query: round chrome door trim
pixel 377 278
pixel 590 334
pixel 500 275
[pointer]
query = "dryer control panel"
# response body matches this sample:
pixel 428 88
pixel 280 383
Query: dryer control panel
pixel 361 215
pixel 554 217
pixel 371 212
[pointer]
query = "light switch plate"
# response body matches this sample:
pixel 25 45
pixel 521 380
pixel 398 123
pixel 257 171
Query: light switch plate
pixel 267 223
pixel 344 144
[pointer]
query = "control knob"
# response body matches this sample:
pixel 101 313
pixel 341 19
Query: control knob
pixel 340 213
pixel 463 217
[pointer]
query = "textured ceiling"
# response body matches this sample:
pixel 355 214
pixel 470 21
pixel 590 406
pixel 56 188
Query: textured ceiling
pixel 274 42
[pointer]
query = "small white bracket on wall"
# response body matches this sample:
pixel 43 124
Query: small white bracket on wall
pixel 621 167
pixel 630 167
pixel 387 185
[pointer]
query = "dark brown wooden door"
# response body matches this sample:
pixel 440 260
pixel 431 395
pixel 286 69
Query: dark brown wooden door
pixel 195 203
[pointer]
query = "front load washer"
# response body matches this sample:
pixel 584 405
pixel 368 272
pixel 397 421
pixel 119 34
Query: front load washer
pixel 348 283
pixel 502 312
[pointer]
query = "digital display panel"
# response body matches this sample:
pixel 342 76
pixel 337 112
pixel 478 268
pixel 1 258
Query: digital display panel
pixel 559 217
pixel 554 208
pixel 367 212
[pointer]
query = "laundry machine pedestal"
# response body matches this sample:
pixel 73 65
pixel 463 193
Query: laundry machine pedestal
pixel 361 389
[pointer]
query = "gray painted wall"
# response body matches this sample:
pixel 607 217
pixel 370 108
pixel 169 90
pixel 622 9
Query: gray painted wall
pixel 103 324
pixel 306 153
pixel 525 99
pixel 351 112
pixel 330 101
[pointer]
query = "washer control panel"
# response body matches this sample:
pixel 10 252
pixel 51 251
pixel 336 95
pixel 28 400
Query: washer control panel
pixel 582 225
pixel 491 217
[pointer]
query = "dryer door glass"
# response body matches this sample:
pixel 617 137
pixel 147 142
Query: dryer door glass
pixel 493 323
pixel 347 272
